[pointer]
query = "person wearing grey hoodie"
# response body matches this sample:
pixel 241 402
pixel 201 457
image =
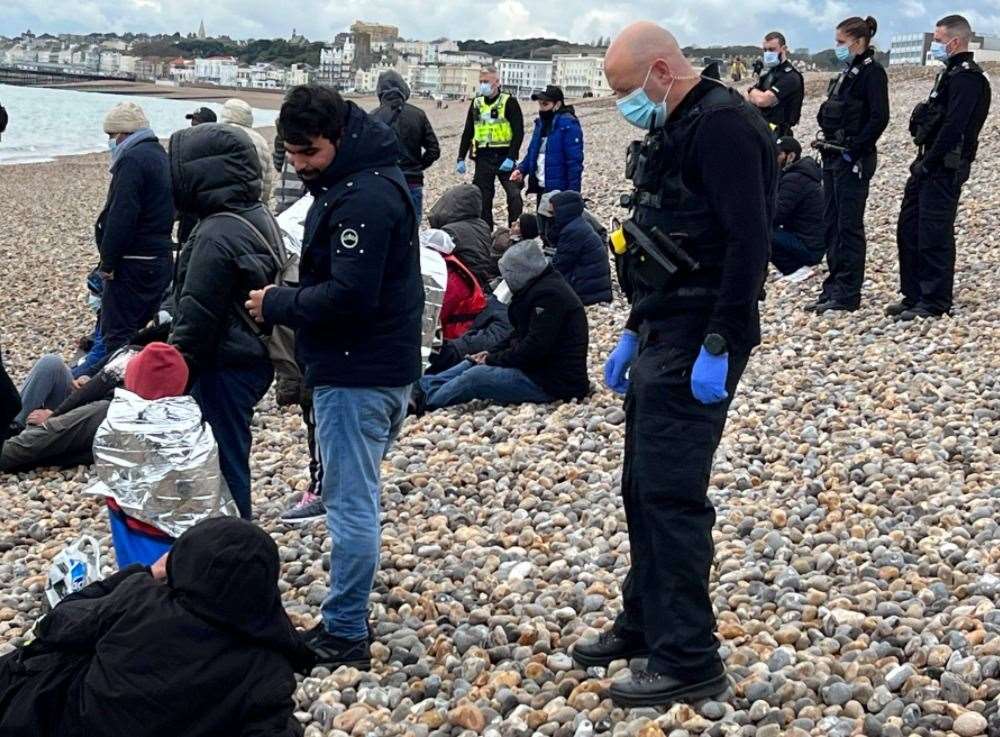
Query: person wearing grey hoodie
pixel 546 358
pixel 418 146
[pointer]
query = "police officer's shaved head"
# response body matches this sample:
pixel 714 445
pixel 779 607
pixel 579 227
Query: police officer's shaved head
pixel 648 56
pixel 956 26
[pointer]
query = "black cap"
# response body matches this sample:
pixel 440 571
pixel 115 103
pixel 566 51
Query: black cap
pixel 549 94
pixel 789 145
pixel 202 115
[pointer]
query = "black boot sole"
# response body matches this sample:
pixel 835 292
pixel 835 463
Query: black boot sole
pixel 687 692
pixel 593 661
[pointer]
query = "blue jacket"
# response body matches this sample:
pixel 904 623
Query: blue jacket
pixel 580 255
pixel 359 308
pixel 563 152
pixel 138 217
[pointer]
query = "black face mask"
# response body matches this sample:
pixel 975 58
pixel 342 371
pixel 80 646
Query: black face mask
pixel 546 115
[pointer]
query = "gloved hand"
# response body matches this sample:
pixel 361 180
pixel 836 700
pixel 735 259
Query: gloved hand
pixel 708 377
pixel 847 157
pixel 918 169
pixel 619 361
pixel 507 165
pixel 460 167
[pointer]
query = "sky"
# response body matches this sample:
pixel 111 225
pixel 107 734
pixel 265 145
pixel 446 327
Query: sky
pixel 807 23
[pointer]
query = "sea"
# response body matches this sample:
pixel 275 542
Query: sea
pixel 45 123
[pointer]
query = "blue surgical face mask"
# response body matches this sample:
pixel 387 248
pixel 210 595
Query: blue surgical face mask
pixel 640 111
pixel 843 54
pixel 485 89
pixel 112 144
pixel 771 59
pixel 939 50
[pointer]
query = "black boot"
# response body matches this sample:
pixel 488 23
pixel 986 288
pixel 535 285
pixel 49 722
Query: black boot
pixel 608 647
pixel 898 308
pixel 658 689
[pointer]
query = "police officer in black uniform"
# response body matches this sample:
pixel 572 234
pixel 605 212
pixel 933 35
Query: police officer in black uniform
pixel 945 129
pixel 852 119
pixel 692 260
pixel 779 92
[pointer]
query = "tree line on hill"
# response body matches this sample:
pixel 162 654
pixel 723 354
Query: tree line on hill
pixel 274 51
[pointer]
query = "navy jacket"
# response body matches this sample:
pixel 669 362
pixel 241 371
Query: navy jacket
pixel 799 209
pixel 580 255
pixel 563 152
pixel 138 217
pixel 359 308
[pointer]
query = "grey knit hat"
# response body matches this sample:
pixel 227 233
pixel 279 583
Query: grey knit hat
pixel 522 263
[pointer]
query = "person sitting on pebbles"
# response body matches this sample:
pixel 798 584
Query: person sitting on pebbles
pixel 545 360
pixel 198 644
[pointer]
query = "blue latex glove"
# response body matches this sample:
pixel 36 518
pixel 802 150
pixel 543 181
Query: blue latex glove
pixel 619 361
pixel 507 165
pixel 708 377
pixel 847 157
pixel 460 167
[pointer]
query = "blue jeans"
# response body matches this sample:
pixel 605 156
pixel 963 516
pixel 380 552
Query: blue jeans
pixel 227 397
pixel 789 253
pixel 467 381
pixel 355 427
pixel 417 195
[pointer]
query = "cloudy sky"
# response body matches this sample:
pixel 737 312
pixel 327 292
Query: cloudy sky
pixel 805 22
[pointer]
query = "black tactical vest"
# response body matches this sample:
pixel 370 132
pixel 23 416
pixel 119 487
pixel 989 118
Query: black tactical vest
pixel 841 117
pixel 928 116
pixel 786 114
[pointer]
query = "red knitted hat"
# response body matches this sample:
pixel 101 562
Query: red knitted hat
pixel 157 371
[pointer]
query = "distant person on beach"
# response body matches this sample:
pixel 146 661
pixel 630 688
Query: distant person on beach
pixel 545 359
pixel 198 644
pixel 201 116
pixel 798 242
pixel 358 327
pixel 239 113
pixel 217 177
pixel 418 145
pixel 134 229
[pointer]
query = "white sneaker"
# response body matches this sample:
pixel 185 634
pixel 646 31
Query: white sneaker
pixel 799 276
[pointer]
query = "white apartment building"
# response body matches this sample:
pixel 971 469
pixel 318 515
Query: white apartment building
pixel 220 70
pixel 521 77
pixel 465 58
pixel 579 74
pixel 429 79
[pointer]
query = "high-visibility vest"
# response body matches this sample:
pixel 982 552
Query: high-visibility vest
pixel 492 129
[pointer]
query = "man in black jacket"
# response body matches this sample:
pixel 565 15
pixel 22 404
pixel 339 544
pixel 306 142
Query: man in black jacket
pixel 798 241
pixel 134 230
pixel 418 145
pixel 490 328
pixel 545 360
pixel 358 315
pixel 494 131
pixel 458 212
pixel 778 94
pixel 946 131
pixel 216 175
pixel 196 645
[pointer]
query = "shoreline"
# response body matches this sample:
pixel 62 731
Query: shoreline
pixel 263 99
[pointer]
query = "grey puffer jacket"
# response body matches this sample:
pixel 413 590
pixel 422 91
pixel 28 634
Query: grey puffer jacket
pixel 458 212
pixel 215 169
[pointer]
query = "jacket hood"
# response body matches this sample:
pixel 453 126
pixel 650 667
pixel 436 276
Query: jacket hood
pixel 464 202
pixel 392 86
pixel 366 143
pixel 225 570
pixel 214 167
pixel 567 207
pixel 522 263
pixel 807 166
pixel 237 112
pixel 437 240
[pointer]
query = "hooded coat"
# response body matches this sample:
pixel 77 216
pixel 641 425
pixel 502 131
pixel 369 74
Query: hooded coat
pixel 551 334
pixel 417 143
pixel 458 212
pixel 239 113
pixel 216 169
pixel 359 310
pixel 800 203
pixel 209 652
pixel 580 255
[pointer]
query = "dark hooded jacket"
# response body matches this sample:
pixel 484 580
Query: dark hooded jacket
pixel 458 212
pixel 800 203
pixel 417 143
pixel 209 653
pixel 580 255
pixel 216 169
pixel 359 310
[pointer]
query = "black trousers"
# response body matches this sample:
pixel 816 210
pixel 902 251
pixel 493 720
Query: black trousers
pixel 132 298
pixel 670 440
pixel 488 162
pixel 925 236
pixel 845 190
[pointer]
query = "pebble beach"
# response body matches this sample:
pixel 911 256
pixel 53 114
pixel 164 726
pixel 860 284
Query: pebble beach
pixel 857 489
